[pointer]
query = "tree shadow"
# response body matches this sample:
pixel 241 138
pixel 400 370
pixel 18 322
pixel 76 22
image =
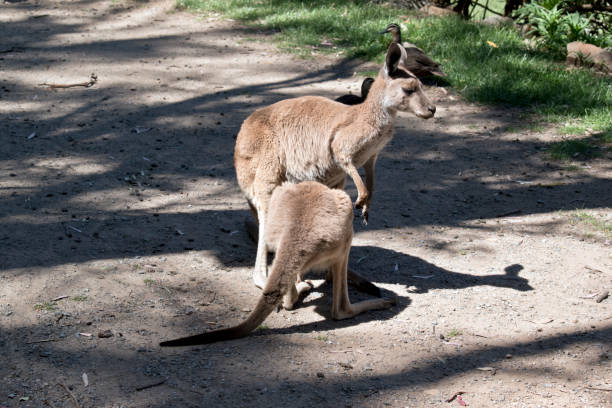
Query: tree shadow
pixel 214 374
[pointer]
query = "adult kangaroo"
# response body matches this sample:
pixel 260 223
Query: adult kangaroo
pixel 310 227
pixel 315 138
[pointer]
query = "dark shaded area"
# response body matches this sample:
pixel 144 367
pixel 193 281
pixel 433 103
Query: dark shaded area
pixel 197 376
pixel 196 146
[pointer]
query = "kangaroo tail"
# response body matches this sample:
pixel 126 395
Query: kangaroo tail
pixel 283 273
pixel 265 306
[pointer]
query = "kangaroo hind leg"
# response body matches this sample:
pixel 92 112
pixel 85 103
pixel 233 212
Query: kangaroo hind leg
pixel 342 308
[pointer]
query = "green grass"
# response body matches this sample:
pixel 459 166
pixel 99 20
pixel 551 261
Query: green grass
pixel 79 298
pixel 510 74
pixel 598 224
pixel 583 148
pixel 48 306
pixel 571 149
pixel 453 333
pixel 149 282
pixel 302 25
pixel 571 167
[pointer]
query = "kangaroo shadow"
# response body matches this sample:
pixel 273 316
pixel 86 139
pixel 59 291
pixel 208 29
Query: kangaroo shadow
pixel 417 274
pixel 422 276
pixel 321 298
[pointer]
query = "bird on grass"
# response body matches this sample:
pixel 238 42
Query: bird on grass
pixel 416 61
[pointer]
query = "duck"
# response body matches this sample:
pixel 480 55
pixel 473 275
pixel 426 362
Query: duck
pixel 350 99
pixel 416 61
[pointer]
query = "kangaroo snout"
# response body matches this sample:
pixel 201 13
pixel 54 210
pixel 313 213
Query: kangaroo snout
pixel 426 112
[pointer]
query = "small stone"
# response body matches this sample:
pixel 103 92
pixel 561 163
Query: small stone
pixel 105 334
pixel 320 375
pixel 508 355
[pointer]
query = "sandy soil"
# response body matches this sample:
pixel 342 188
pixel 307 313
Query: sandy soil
pixel 120 202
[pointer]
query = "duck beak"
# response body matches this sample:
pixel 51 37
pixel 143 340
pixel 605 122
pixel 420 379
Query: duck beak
pixel 385 31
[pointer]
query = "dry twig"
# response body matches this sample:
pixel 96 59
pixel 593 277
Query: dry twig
pixel 599 389
pixel 92 80
pixel 147 386
pixel 41 341
pixel 76 403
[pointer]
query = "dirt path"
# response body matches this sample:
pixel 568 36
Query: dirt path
pixel 119 201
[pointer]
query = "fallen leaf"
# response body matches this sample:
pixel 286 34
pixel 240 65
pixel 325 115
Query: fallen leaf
pixel 603 296
pixel 141 129
pixel 455 395
pixel 492 44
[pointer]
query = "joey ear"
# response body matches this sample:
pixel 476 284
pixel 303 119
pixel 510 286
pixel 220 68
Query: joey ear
pixel 394 55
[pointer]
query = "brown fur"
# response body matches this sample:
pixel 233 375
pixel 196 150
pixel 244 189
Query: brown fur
pixel 315 138
pixel 310 227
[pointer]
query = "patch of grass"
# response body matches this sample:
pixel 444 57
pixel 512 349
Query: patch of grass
pixel 48 306
pixel 371 74
pixel 597 121
pixel 570 149
pixel 321 337
pixel 79 298
pixel 599 224
pixel 571 167
pixel 584 148
pixel 509 72
pixel 262 326
pixel 302 25
pixel 149 281
pixel 453 333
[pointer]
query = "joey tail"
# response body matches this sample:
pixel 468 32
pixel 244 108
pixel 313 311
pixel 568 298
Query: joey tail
pixel 265 306
pixel 283 273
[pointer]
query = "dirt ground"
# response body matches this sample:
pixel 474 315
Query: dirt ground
pixel 121 225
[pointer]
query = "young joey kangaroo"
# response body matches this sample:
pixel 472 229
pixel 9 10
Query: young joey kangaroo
pixel 315 138
pixel 310 227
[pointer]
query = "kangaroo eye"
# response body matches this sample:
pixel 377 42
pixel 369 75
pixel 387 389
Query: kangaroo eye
pixel 408 91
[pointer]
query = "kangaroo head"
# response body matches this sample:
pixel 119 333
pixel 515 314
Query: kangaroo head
pixel 403 90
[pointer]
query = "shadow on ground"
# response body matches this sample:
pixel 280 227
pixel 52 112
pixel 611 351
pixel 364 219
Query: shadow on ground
pixel 198 376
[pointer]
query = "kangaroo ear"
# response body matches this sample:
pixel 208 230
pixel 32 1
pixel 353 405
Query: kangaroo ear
pixel 394 54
